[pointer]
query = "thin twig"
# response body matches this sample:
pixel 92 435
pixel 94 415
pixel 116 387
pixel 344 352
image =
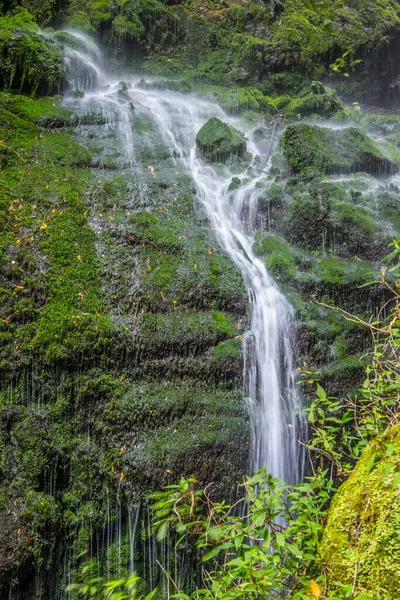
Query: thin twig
pixel 168 575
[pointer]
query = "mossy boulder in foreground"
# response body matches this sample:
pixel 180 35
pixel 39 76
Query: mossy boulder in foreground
pixel 218 141
pixel 313 151
pixel 361 544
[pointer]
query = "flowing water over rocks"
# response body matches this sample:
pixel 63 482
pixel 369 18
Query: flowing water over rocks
pixel 269 372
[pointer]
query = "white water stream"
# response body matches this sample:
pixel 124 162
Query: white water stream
pixel 270 386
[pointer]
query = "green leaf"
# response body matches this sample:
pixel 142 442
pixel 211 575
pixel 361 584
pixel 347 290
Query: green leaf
pixel 280 539
pixel 212 553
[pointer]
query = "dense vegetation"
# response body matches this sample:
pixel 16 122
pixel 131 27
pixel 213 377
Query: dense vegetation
pixel 292 542
pixel 121 320
pixel 275 46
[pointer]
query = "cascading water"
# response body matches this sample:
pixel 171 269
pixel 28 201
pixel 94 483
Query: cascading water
pixel 82 63
pixel 269 376
pixel 269 373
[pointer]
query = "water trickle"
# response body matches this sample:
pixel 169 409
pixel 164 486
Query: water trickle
pixel 269 371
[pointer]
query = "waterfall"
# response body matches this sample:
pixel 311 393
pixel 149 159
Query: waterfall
pixel 270 386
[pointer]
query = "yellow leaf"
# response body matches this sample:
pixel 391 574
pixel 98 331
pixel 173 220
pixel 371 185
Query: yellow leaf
pixel 79 257
pixel 43 226
pixel 121 476
pixel 314 590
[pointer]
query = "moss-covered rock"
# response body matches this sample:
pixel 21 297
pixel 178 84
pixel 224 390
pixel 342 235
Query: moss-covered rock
pixel 30 61
pixel 218 141
pixel 120 330
pixel 313 151
pixel 361 543
pixel 317 100
pixel 278 257
pixel 325 216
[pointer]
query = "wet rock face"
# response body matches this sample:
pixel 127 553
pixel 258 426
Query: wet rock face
pixel 313 151
pixel 361 544
pixel 15 558
pixel 218 141
pixel 171 308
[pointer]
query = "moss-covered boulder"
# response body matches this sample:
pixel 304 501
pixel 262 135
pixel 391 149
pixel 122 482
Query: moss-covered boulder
pixel 316 100
pixel 361 543
pixel 313 151
pixel 29 61
pixel 218 141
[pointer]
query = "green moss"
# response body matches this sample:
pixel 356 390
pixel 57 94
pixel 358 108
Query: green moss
pixel 44 11
pixel 388 201
pixel 79 20
pixel 30 61
pixel 227 350
pixel 315 101
pixel 218 141
pixel 361 543
pixel 239 100
pixel 49 204
pixel 160 231
pixel 312 151
pixel 278 256
pixel 334 271
pixel 235 183
pixel 34 110
pixel 184 333
pixel 302 33
pixel 77 295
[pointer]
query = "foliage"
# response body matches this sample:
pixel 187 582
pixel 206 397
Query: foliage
pixel 342 430
pixel 308 29
pixel 96 588
pixel 273 545
pixel 226 43
pixel 266 544
pixel 263 544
